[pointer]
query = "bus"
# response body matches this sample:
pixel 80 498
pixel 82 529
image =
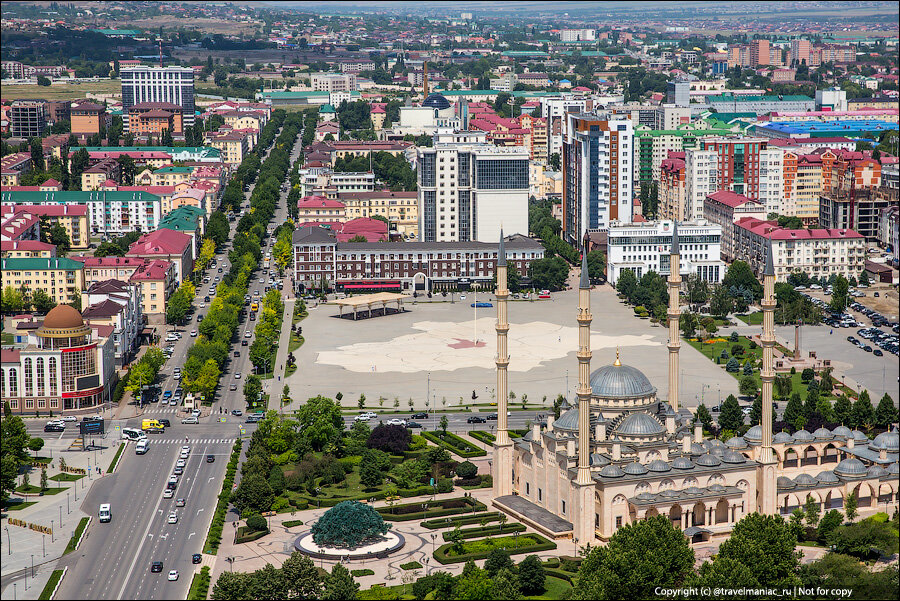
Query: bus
pixel 132 434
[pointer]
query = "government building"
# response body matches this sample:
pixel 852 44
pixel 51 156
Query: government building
pixel 623 454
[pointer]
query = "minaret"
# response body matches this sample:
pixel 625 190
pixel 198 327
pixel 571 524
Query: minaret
pixel 767 489
pixel 584 486
pixel 425 82
pixel 503 449
pixel 674 315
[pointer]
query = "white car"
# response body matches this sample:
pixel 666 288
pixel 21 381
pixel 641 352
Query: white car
pixel 190 420
pixel 176 376
pixel 185 451
pixel 173 518
pixel 237 376
pixel 69 418
pixel 180 463
pixel 173 574
pixel 168 493
pixel 396 422
pixel 248 334
pixel 193 333
pixel 171 338
pixel 361 418
pixel 195 413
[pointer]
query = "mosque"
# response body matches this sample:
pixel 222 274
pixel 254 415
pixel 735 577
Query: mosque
pixel 623 454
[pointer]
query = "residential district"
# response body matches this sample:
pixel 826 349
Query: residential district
pixel 298 268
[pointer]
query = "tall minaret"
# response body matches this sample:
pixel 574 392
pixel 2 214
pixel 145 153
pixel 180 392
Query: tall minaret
pixel 503 448
pixel 674 316
pixel 584 486
pixel 767 488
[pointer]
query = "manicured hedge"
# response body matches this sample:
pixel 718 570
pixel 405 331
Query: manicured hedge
pixel 200 585
pixel 431 512
pixel 76 537
pixel 559 574
pixel 412 565
pixel 292 523
pixel 378 496
pixel 214 537
pixel 455 444
pixel 246 535
pixel 362 572
pixel 486 531
pixel 51 585
pixel 492 516
pixel 488 438
pixel 485 546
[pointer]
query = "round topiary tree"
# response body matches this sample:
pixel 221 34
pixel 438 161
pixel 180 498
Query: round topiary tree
pixel 466 470
pixel 348 524
pixel 257 522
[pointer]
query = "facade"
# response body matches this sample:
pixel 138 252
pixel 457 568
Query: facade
pixel 62 279
pixel 820 253
pixel 401 209
pixel 678 92
pixel 889 228
pixel 73 218
pixel 319 208
pixel 643 247
pixel 112 213
pixel 155 278
pixel 232 145
pixel 167 245
pixel 95 176
pixel 410 266
pixel 623 454
pixel 333 82
pixel 734 103
pixel 27 249
pixel 14 166
pixel 87 118
pixel 118 304
pixel 158 84
pixel 554 110
pixel 467 191
pixel 672 189
pixel 859 211
pixel 28 118
pixel 154 118
pixel 723 209
pixel 65 366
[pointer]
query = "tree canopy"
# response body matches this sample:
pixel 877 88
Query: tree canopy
pixel 348 524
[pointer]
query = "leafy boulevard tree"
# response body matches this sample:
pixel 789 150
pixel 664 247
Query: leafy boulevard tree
pixel 730 417
pixel 863 414
pixel 840 293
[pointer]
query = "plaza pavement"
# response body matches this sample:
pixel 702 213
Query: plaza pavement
pixel 409 355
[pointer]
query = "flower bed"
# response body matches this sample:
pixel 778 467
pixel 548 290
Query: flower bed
pixel 486 531
pixel 455 444
pixel 413 511
pixel 480 549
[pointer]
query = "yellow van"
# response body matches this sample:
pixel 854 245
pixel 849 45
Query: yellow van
pixel 152 425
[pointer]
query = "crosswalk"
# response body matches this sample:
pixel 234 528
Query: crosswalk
pixel 161 411
pixel 192 441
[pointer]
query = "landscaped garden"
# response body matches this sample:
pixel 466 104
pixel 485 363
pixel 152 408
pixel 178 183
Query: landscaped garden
pixel 479 549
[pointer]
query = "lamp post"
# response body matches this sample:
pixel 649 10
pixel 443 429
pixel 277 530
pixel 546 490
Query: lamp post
pixel 427 559
pixel 51 531
pixel 8 540
pixel 433 538
pixel 44 545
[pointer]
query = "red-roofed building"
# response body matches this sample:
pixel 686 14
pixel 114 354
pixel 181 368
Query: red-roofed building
pixel 13 167
pixel 817 252
pixel 27 249
pixel 320 208
pixel 22 222
pixel 168 245
pixel 724 208
pixel 672 187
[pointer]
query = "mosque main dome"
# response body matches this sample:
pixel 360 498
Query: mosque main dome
pixel 619 381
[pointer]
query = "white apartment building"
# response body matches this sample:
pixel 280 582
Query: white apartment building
pixel 333 82
pixel 577 35
pixel 158 84
pixel 554 110
pixel 468 192
pixel 111 213
pixel 643 247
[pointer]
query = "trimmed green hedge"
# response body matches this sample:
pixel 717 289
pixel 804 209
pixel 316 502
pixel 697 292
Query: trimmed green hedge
pixel 455 444
pixel 76 537
pixel 480 549
pixel 378 496
pixel 214 537
pixel 246 535
pixel 559 574
pixel 200 585
pixel 486 531
pixel 362 572
pixel 292 523
pixel 431 512
pixel 488 438
pixel 492 516
pixel 115 461
pixel 50 587
pixel 412 565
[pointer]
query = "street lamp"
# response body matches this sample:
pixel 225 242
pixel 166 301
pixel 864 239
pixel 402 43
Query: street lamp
pixel 51 530
pixel 8 540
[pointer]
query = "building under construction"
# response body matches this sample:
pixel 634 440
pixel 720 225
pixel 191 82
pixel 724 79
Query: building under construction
pixel 857 209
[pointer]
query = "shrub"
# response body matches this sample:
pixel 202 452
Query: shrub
pixel 445 485
pixel 391 439
pixel 257 522
pixel 531 575
pixel 348 524
pixel 362 572
pixel 466 470
pixel 412 565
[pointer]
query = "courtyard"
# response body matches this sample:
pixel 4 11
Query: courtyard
pixel 442 350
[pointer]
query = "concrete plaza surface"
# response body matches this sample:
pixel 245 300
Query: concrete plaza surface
pixel 427 352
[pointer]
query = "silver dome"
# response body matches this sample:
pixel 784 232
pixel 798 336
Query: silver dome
pixel 736 442
pixel 620 381
pixel 611 471
pixel 805 480
pixel 640 424
pixel 645 496
pixel 802 436
pixel 659 465
pixel 823 434
pixel 707 461
pixel 851 468
pixel 692 490
pixel 889 441
pixel 827 477
pixel 842 431
pixel 568 421
pixel 894 468
pixel 782 437
pixel 670 493
pixel 876 471
pixel 717 488
pixel 598 459
pixel 697 449
pixel 634 469
pixel 717 451
pixel 754 434
pixel 733 457
pixel 682 463
pixel 785 482
pixel 859 436
pixel 714 442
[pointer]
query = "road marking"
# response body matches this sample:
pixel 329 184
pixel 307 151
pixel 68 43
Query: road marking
pixel 121 594
pixel 199 510
pixel 191 534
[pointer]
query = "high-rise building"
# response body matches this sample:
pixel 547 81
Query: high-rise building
pixel 467 191
pixel 800 50
pixel 28 118
pixel 678 92
pixel 159 84
pixel 760 53
pixel 598 173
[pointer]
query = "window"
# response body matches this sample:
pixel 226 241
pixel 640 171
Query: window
pixel 564 508
pixel 618 522
pixel 540 494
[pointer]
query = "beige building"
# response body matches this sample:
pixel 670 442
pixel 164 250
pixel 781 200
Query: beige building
pixel 158 280
pixel 62 279
pixel 26 249
pixel 544 183
pixel 94 177
pixel 724 208
pixel 319 208
pixel 233 146
pixel 400 208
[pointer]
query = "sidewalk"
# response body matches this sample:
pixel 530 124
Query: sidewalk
pixel 273 386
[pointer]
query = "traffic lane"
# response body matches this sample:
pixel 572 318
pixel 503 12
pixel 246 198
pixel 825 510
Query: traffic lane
pixel 110 546
pixel 457 421
pixel 173 544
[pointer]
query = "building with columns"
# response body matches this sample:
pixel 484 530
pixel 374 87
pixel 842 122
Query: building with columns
pixel 623 454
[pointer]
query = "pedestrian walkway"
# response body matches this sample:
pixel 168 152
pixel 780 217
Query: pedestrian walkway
pixel 274 385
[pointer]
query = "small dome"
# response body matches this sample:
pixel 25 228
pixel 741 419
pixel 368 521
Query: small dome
pixel 842 431
pixel 805 480
pixel 707 461
pixel 611 471
pixel 644 496
pixel 876 471
pixel 692 490
pixel 717 451
pixel 823 434
pixel 568 421
pixel 716 488
pixel 782 437
pixel 659 465
pixel 63 317
pixel 785 482
pixel 714 442
pixel 733 457
pixel 620 381
pixel 736 442
pixel 697 449
pixel 850 468
pixel 827 477
pixel 890 441
pixel 436 101
pixel 639 424
pixel 598 460
pixel 670 494
pixel 754 434
pixel 634 469
pixel 859 436
pixel 894 468
pixel 682 463
pixel 802 436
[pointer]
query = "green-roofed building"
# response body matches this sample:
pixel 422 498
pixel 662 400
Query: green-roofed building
pixel 525 54
pixel 654 145
pixel 188 220
pixel 202 154
pixel 118 33
pixel 61 278
pixel 760 105
pixel 109 212
pixel 174 169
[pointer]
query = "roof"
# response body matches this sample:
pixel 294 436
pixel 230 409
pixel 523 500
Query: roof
pixel 620 381
pixel 732 199
pixel 154 270
pixel 365 299
pixel 102 309
pixel 63 317
pixel 40 264
pixel 309 202
pixel 26 245
pixel 160 242
pixel 771 230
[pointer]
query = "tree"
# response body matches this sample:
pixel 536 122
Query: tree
pixel 268 583
pixel 340 585
pixel 688 323
pixel 128 169
pixel 531 575
pixel 35 444
pixel 43 80
pixel 41 301
pixel 863 414
pixel 370 475
pixel 466 470
pixel 765 545
pixel 252 388
pixel 596 261
pixel 794 409
pixel 812 510
pixel 839 295
pixel 720 303
pixel 60 237
pixel 389 438
pixel 348 524
pixel 756 411
pixel 555 161
pixel 301 577
pixel 625 570
pixel 843 409
pixel 506 585
pixel 730 416
pixel 886 412
pixel 443 424
pixel 704 417
pixel 13 300
pixel 218 229
pixel 474 584
pixel 497 560
pixel 257 522
pixel 831 520
pixel 747 386
pixel 253 493
pixel 276 480
pixel 850 506
pixel 549 273
pixel 231 585
pixel 740 275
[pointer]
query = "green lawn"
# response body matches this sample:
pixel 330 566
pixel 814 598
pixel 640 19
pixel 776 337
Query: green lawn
pixel 296 342
pixel 67 477
pixel 554 588
pixel 7 338
pixel 50 587
pixel 752 319
pixel 7 506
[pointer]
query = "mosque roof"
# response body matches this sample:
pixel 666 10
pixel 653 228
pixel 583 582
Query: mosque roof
pixel 620 381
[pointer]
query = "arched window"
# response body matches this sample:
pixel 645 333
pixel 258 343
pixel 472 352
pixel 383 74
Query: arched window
pixel 13 382
pixel 41 391
pixel 29 378
pixel 54 386
pixel 3 383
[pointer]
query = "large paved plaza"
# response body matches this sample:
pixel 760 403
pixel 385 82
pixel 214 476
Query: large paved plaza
pixel 429 350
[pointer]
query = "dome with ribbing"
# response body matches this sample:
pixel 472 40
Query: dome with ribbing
pixel 827 477
pixel 805 480
pixel 670 494
pixel 692 491
pixel 876 471
pixel 850 468
pixel 436 101
pixel 716 488
pixel 645 496
pixel 568 421
pixel 598 460
pixel 658 465
pixel 889 441
pixel 717 451
pixel 611 471
pixel 803 436
pixel 754 434
pixel 785 482
pixel 894 468
pixel 682 463
pixel 842 431
pixel 860 436
pixel 619 381
pixel 733 457
pixel 782 438
pixel 707 461
pixel 697 448
pixel 640 424
pixel 823 434
pixel 736 442
pixel 635 469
